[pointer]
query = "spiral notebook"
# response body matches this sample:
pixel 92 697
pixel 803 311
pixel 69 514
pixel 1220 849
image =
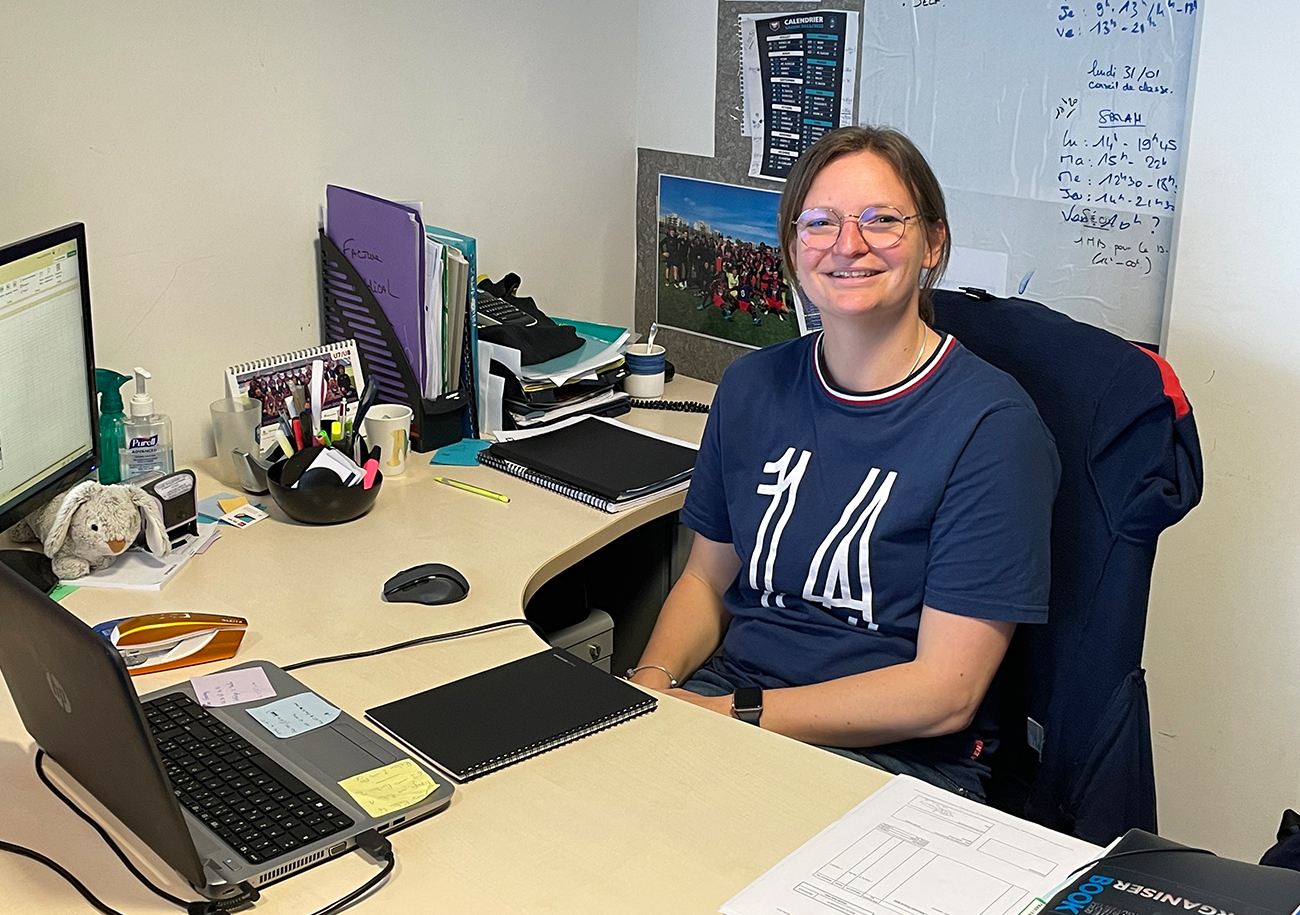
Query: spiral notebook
pixel 505 714
pixel 272 379
pixel 598 461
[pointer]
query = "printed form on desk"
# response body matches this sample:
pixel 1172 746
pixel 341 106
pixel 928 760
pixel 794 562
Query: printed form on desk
pixel 914 849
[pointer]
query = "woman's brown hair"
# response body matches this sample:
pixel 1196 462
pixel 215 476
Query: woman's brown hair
pixel 911 168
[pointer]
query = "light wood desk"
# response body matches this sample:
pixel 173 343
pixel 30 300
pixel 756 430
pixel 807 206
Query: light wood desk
pixel 672 812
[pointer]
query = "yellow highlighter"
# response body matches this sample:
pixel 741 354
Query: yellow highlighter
pixel 474 489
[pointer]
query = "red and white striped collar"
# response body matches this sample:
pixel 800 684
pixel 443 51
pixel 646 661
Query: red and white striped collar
pixel 885 394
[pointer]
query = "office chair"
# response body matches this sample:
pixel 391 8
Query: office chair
pixel 1075 751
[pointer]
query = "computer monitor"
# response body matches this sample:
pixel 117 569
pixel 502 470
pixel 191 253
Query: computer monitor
pixel 48 426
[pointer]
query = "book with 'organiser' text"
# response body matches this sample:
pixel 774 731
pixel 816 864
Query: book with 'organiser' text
pixel 488 720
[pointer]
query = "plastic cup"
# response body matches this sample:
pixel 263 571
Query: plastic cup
pixel 235 424
pixel 388 425
pixel 645 371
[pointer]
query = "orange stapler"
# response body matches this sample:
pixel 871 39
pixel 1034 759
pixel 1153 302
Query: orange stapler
pixel 162 641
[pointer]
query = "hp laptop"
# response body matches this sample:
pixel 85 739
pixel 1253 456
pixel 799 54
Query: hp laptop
pixel 214 793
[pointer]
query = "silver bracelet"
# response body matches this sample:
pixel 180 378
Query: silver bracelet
pixel 631 671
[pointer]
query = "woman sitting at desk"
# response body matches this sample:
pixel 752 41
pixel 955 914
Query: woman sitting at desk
pixel 872 503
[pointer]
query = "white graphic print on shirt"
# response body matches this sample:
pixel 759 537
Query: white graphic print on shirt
pixel 855 525
pixel 787 484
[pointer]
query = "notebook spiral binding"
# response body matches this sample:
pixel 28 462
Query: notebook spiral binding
pixel 542 746
pixel 540 479
pixel 335 349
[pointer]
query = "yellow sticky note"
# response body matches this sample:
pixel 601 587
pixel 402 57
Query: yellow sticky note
pixel 388 788
pixel 229 505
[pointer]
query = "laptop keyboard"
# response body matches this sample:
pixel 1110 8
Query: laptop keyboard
pixel 252 802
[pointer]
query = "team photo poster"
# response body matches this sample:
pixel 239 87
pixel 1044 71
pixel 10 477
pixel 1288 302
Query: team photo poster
pixel 718 264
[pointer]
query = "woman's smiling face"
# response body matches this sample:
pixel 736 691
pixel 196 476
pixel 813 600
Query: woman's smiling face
pixel 852 278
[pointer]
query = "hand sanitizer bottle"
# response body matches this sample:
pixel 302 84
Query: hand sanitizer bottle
pixel 146 435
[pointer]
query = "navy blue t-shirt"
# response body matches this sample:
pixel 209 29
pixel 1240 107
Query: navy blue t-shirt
pixel 850 511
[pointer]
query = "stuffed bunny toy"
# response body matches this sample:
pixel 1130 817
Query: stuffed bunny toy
pixel 92 525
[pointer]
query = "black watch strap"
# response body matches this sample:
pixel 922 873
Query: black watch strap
pixel 747 704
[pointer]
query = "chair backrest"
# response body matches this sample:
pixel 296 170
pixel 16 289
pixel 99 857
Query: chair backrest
pixel 1075 752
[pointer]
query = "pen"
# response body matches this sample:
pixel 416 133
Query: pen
pixel 474 489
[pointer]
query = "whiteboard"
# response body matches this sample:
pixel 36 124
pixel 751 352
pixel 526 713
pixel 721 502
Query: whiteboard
pixel 1057 132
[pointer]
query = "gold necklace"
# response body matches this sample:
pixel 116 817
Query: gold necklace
pixel 919 354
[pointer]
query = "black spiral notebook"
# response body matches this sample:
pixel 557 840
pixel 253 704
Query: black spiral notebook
pixel 602 462
pixel 487 721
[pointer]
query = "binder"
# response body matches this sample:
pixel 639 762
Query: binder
pixel 349 310
pixel 600 462
pixel 505 714
pixel 384 242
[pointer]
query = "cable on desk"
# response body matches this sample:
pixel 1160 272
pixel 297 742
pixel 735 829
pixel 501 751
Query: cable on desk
pixel 422 640
pixel 369 841
pixel 62 872
pixel 379 848
pixel 678 406
pixel 103 834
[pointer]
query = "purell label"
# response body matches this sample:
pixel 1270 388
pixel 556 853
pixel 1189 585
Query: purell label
pixel 144 442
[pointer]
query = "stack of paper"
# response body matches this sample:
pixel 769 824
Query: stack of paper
pixel 582 381
pixel 141 571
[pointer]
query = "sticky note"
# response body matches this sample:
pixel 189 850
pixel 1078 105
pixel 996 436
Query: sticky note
pixel 294 715
pixel 392 787
pixel 460 454
pixel 232 687
pixel 229 505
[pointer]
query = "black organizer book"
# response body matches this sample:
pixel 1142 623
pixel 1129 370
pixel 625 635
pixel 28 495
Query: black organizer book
pixel 505 714
pixel 603 463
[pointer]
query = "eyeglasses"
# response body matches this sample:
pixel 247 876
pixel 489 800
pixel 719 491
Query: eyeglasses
pixel 881 227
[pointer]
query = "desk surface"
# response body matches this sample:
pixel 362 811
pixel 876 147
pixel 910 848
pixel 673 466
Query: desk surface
pixel 671 812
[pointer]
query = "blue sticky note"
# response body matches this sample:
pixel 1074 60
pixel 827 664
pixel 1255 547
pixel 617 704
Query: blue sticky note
pixel 461 454
pixel 294 715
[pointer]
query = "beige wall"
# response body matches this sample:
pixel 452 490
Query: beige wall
pixel 1223 647
pixel 195 140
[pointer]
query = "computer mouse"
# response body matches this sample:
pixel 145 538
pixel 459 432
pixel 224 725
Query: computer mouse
pixel 431 583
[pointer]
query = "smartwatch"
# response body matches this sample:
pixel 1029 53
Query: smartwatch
pixel 747 704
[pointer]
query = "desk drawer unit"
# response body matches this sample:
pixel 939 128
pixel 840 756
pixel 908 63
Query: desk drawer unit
pixel 592 640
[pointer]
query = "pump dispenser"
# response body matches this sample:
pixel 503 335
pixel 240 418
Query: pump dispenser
pixel 147 436
pixel 111 418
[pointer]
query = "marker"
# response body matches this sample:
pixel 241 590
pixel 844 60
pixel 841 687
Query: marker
pixel 297 433
pixel 457 484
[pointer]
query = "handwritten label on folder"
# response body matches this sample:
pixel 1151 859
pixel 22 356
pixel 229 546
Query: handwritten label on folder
pixel 294 715
pixel 388 788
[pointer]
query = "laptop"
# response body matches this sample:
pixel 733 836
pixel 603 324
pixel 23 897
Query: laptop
pixel 210 790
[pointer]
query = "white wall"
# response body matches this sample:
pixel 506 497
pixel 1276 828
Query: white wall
pixel 1223 646
pixel 195 140
pixel 676 75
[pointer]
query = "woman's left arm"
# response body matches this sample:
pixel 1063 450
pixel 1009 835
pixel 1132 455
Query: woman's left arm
pixel 936 693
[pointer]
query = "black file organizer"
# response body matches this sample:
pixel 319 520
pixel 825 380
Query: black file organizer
pixel 349 310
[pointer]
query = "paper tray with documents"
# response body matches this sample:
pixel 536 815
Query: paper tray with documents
pixel 350 310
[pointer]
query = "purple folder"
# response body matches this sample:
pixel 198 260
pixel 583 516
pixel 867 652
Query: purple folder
pixel 384 242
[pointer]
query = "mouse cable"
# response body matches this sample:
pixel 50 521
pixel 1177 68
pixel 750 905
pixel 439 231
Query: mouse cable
pixel 369 841
pixel 422 640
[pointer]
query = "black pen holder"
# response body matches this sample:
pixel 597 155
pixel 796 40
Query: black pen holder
pixel 320 496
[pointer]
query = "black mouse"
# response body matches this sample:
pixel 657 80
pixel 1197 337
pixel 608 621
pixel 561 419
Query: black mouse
pixel 431 583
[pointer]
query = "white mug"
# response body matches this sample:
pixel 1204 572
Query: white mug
pixel 388 425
